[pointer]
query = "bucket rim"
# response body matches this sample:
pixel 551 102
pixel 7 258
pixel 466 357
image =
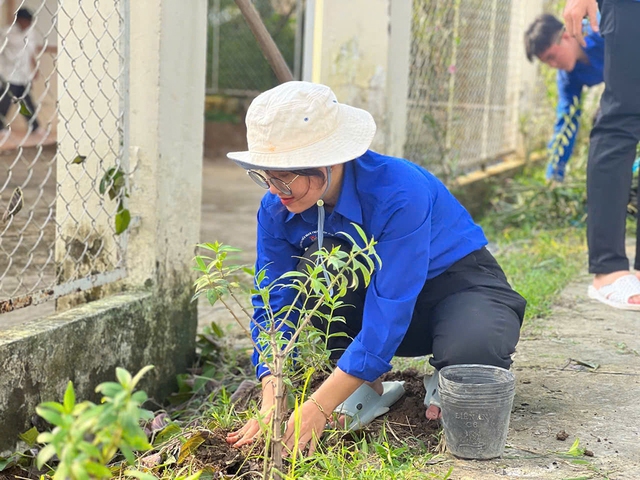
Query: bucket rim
pixel 477 366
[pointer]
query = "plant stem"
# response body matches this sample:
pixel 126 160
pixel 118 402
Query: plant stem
pixel 279 412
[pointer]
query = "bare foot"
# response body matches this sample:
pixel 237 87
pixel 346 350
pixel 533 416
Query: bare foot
pixel 433 413
pixel 603 279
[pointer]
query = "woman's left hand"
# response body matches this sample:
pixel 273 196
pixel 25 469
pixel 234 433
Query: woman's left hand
pixel 311 425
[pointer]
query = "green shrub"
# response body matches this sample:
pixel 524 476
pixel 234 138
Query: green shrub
pixel 86 437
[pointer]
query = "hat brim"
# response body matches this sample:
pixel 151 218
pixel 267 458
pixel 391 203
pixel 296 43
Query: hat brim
pixel 352 138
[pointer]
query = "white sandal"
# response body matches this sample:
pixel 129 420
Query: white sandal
pixel 364 405
pixel 433 392
pixel 617 294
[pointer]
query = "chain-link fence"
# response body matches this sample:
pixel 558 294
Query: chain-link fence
pixel 235 63
pixel 465 83
pixel 63 163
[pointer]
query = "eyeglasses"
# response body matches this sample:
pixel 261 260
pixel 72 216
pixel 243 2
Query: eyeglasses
pixel 263 181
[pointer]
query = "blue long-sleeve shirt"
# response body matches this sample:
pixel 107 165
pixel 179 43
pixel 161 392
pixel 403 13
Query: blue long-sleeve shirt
pixel 570 86
pixel 420 229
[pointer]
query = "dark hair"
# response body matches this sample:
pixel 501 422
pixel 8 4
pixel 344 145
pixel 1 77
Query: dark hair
pixel 307 172
pixel 24 13
pixel 310 172
pixel 541 34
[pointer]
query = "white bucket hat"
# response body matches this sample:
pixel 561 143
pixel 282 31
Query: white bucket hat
pixel 299 125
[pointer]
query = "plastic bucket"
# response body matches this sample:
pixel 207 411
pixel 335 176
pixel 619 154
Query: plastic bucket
pixel 476 405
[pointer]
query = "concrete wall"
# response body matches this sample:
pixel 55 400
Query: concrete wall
pixel 153 320
pixel 360 49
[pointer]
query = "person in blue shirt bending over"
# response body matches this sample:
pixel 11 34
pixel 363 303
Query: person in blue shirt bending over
pixel 578 67
pixel 438 292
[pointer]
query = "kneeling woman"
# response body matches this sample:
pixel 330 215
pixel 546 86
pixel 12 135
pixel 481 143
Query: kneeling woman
pixel 439 291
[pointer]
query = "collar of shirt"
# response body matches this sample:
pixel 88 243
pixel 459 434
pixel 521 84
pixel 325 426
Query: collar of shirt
pixel 588 74
pixel 348 202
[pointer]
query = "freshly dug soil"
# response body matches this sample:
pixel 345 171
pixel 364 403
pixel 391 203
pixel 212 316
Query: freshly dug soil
pixel 218 458
pixel 406 417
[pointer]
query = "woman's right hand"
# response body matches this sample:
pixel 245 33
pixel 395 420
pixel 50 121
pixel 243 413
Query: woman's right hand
pixel 251 430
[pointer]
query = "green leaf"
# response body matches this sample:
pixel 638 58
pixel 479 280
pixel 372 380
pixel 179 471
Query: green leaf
pixel 69 398
pixel 212 296
pixel 202 266
pixel 575 450
pixel 45 437
pixel 140 444
pixel 45 455
pixel 195 476
pixel 24 110
pixel 8 462
pixel 89 449
pixel 139 397
pixel 140 475
pixel 167 433
pixel 55 406
pixel 109 389
pixel 30 437
pixel 79 159
pixel 140 374
pixel 79 471
pixel 50 416
pixel 106 181
pixel 190 447
pixel 123 218
pixel 97 470
pixel 216 329
pixel 123 377
pixel 128 453
pixel 249 271
pixel 118 181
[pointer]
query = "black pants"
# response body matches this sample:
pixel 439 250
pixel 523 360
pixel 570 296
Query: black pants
pixel 468 314
pixel 9 92
pixel 614 139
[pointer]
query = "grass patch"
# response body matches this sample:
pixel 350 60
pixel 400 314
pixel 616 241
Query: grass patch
pixel 540 265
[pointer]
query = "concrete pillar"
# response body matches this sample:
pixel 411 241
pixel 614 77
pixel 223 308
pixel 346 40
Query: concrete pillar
pixel 398 76
pixel 167 89
pixel 360 49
